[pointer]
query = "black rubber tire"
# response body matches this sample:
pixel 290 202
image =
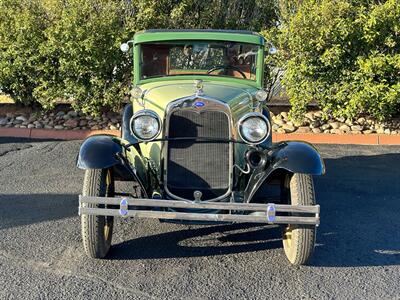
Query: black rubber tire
pixel 97 230
pixel 299 240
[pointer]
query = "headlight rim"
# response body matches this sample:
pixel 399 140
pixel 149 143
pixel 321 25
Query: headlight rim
pixel 145 112
pixel 250 115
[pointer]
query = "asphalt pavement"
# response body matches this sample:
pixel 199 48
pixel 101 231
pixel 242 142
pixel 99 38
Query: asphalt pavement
pixel 41 255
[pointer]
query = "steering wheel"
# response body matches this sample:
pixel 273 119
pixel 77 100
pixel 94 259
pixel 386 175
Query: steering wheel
pixel 226 68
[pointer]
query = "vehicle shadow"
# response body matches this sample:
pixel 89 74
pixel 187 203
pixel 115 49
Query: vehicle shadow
pixel 249 238
pixel 360 209
pixel 19 210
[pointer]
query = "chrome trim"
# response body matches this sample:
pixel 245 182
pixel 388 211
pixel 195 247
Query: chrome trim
pixel 145 112
pixel 249 115
pixel 187 103
pixel 229 212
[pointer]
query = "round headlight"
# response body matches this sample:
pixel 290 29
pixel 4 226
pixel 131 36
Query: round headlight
pixel 254 128
pixel 145 125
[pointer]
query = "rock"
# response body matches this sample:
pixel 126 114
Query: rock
pixel 361 121
pixel 348 122
pixel 288 128
pixel 279 122
pixel 60 113
pixel 114 120
pixel 387 131
pixel 357 128
pixel 66 117
pixel 336 131
pixel 95 127
pixel 32 119
pixel 275 127
pixel 334 125
pixel 83 122
pixel 31 126
pixel 325 126
pixel 344 127
pixel 310 116
pixel 22 126
pixel 284 114
pixel 316 130
pixel 318 114
pixel 3 121
pixel 39 126
pixel 16 121
pixel 315 124
pixel 21 118
pixel 393 132
pixel 303 129
pixel 341 119
pixel 59 127
pixel 380 130
pixel 73 113
pixel 112 127
pixel 356 132
pixel 368 131
pixel 48 127
pixel 327 131
pixel 9 115
pixel 71 123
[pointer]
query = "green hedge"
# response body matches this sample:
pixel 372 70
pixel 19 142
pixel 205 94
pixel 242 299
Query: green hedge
pixel 343 54
pixel 53 50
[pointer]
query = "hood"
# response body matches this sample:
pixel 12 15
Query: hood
pixel 161 93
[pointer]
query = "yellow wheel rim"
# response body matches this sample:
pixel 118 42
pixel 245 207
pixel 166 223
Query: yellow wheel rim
pixel 287 236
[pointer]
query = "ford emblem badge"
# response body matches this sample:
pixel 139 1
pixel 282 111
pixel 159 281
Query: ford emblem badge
pixel 199 104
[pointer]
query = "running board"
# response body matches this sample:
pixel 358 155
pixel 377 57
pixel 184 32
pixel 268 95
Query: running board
pixel 235 212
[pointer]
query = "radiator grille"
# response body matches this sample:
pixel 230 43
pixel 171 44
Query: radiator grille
pixel 198 165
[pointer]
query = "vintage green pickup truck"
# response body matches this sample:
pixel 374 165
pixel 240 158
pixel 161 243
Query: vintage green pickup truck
pixel 196 141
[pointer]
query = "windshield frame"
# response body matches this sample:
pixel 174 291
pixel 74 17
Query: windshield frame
pixel 259 74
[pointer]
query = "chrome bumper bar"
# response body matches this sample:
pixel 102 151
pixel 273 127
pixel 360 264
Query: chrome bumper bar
pixel 255 213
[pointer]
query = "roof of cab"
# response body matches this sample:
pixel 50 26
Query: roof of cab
pixel 160 35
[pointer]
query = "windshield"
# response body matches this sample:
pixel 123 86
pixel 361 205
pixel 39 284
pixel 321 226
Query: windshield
pixel 213 58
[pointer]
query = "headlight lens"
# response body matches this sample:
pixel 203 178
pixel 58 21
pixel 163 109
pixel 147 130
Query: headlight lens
pixel 254 128
pixel 145 125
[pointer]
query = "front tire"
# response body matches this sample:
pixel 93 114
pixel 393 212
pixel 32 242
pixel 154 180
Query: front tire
pixel 299 240
pixel 97 230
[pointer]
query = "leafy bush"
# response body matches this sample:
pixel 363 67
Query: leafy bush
pixel 81 58
pixel 343 54
pixel 21 34
pixel 55 50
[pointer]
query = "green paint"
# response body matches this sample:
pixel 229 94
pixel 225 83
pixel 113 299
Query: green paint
pixel 214 35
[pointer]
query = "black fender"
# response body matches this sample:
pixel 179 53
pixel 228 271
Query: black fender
pixel 106 151
pixel 297 157
pixel 293 157
pixel 98 152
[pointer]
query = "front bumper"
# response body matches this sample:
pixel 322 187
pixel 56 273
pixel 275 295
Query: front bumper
pixel 233 212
